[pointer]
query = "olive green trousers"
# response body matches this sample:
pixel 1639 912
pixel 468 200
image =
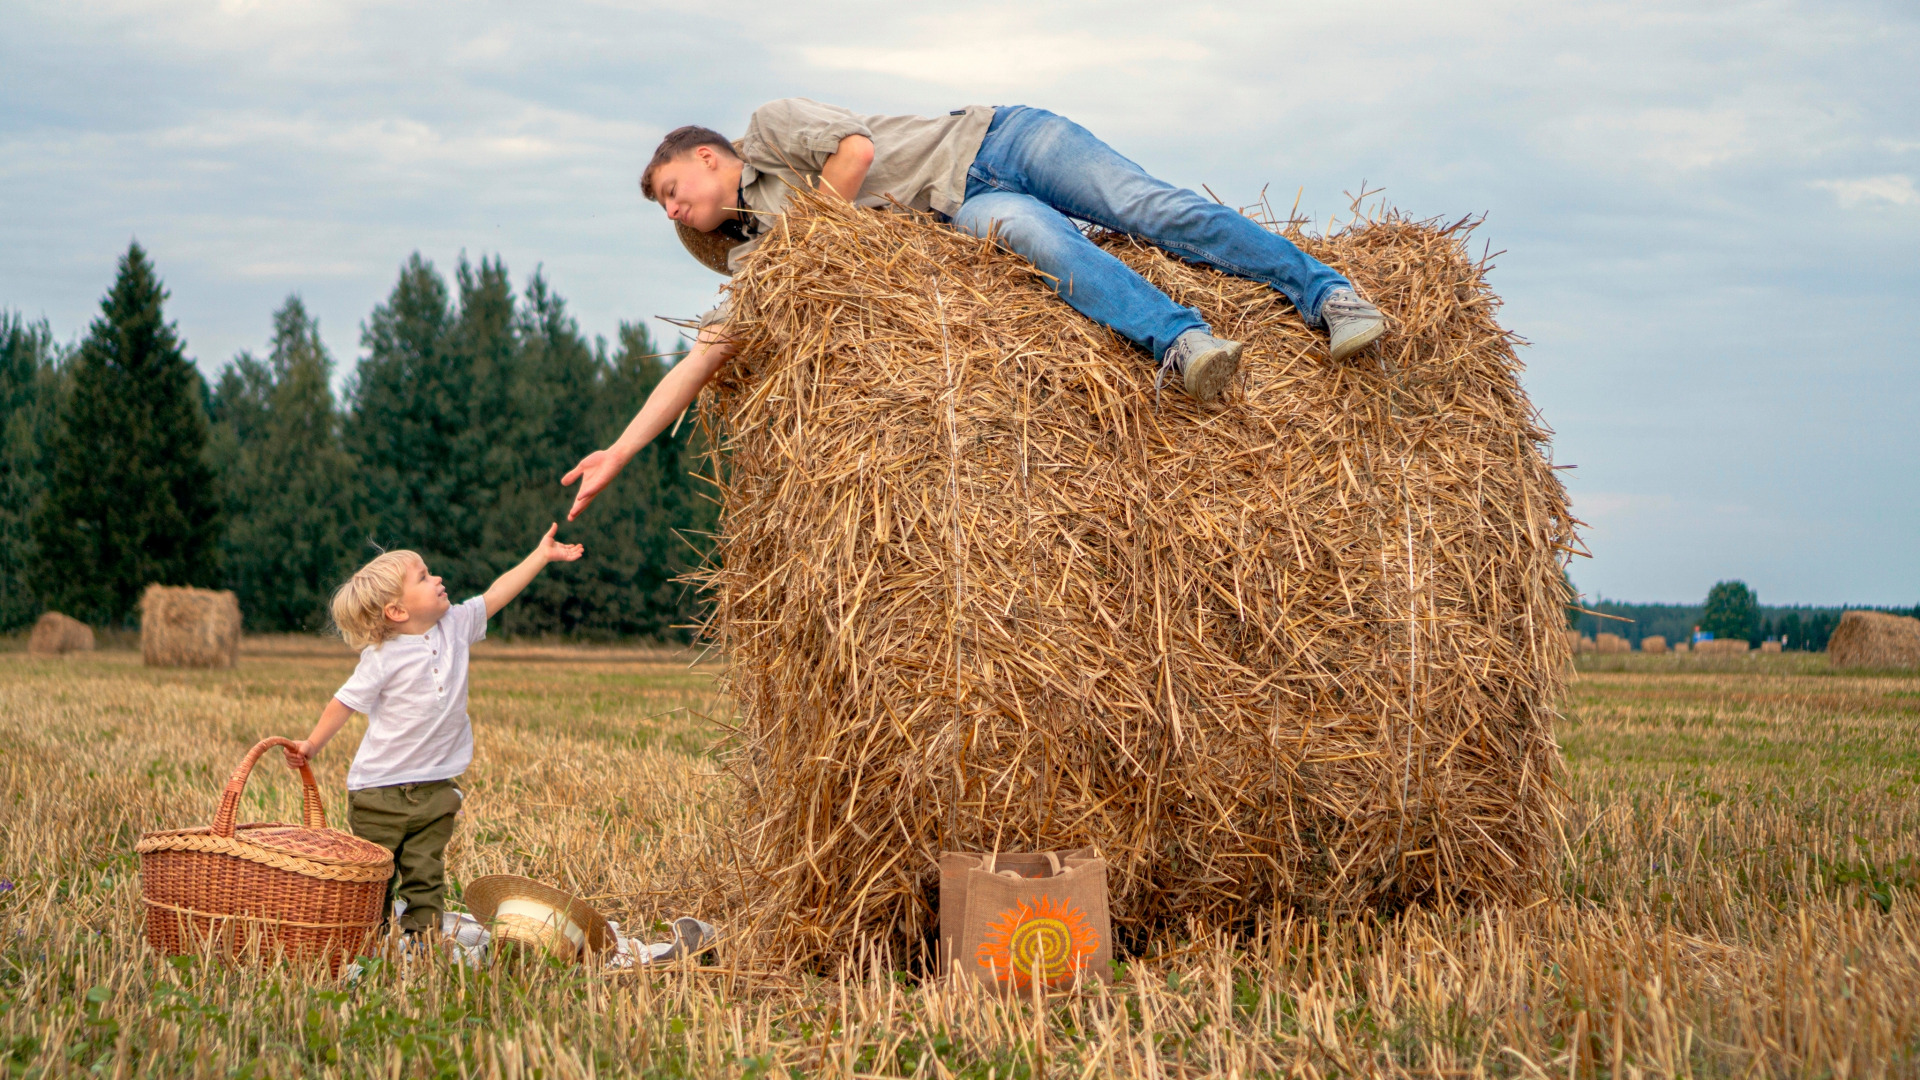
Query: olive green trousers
pixel 414 821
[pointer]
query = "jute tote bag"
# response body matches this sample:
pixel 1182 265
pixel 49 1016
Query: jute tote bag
pixel 1011 920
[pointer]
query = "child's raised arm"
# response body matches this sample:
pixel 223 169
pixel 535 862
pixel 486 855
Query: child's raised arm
pixel 508 585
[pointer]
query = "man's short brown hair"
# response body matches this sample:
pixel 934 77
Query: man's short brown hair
pixel 679 141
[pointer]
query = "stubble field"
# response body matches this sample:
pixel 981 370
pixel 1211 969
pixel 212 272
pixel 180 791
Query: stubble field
pixel 1736 897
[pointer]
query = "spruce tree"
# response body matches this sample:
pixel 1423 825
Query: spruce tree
pixel 290 488
pixel 497 434
pixel 130 498
pixel 553 392
pixel 406 409
pixel 28 392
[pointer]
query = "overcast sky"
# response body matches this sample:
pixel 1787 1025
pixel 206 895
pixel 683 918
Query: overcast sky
pixel 1710 212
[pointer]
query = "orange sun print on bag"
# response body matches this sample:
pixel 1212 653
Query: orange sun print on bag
pixel 1043 939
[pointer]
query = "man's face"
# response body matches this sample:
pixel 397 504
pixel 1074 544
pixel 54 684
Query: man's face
pixel 698 188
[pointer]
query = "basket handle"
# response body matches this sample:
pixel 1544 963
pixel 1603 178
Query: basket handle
pixel 314 812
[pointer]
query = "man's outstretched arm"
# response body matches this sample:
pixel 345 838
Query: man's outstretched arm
pixel 671 396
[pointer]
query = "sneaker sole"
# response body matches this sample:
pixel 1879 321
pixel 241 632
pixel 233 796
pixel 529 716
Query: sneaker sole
pixel 1359 340
pixel 1208 373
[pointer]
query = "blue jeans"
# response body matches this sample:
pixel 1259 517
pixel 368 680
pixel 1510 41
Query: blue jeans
pixel 1036 170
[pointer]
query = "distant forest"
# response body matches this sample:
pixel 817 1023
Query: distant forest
pixel 1796 627
pixel 120 465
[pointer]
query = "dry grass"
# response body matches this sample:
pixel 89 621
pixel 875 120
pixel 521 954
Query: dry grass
pixel 1733 896
pixel 982 591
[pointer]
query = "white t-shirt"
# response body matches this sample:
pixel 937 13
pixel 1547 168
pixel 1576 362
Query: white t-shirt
pixel 413 689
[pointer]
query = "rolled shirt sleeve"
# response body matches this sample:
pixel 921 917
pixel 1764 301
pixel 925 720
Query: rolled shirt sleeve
pixel 469 620
pixel 801 131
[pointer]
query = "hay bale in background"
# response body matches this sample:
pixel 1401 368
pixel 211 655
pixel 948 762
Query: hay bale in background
pixel 1653 643
pixel 1585 644
pixel 1681 646
pixel 1769 646
pixel 56 634
pixel 1611 643
pixel 1722 647
pixel 186 627
pixel 1874 639
pixel 978 592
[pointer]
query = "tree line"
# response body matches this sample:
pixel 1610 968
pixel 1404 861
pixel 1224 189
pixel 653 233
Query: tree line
pixel 1731 610
pixel 121 466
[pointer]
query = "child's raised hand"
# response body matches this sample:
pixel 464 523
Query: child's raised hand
pixel 554 551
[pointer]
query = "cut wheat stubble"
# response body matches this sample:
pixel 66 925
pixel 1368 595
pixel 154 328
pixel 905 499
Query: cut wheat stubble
pixel 978 591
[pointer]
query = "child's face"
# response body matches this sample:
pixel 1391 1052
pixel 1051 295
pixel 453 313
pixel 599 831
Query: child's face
pixel 422 599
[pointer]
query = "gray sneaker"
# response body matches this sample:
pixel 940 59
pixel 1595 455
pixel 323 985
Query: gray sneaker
pixel 1352 323
pixel 1203 362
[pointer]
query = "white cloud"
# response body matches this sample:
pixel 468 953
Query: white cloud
pixel 1893 189
pixel 994 65
pixel 1668 138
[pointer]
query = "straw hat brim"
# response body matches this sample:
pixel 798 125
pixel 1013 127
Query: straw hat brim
pixel 484 896
pixel 710 248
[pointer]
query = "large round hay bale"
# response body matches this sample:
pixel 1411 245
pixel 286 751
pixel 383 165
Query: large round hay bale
pixel 978 590
pixel 186 627
pixel 1653 643
pixel 56 635
pixel 1611 643
pixel 1874 639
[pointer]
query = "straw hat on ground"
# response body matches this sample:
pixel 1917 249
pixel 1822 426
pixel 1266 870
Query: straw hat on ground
pixel 527 911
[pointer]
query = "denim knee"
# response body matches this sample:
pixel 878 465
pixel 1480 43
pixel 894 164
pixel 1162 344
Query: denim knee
pixel 1019 223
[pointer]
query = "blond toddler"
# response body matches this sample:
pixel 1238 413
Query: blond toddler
pixel 411 683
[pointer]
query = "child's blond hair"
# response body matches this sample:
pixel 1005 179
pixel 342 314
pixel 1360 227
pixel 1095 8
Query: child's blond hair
pixel 360 605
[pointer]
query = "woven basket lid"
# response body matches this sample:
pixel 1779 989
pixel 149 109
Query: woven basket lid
pixel 322 853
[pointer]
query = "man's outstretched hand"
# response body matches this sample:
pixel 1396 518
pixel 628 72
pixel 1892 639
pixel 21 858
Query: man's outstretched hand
pixel 594 472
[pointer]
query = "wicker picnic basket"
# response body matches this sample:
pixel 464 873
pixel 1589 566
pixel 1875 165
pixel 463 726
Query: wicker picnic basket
pixel 268 890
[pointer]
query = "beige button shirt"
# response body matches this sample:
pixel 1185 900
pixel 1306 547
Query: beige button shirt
pixel 920 162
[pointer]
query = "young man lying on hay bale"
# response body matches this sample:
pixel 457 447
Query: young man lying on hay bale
pixel 1021 175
